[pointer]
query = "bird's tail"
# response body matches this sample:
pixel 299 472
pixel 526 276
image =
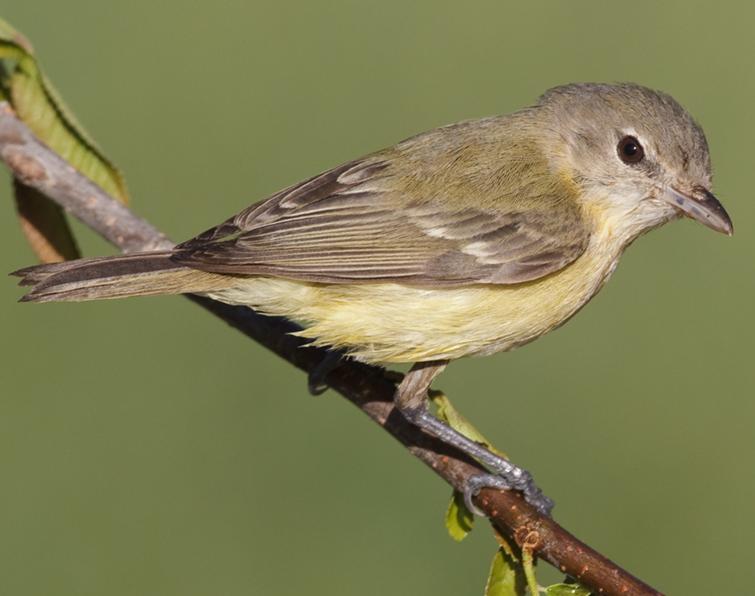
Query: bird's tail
pixel 137 274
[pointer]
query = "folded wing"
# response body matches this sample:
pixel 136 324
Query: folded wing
pixel 350 224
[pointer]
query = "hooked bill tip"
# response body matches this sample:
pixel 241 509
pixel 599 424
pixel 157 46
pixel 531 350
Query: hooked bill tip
pixel 702 205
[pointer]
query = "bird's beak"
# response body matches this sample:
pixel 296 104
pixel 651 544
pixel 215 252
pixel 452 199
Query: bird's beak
pixel 701 205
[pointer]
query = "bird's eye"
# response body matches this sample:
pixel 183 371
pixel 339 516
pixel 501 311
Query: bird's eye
pixel 630 151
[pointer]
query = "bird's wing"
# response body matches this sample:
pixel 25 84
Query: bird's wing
pixel 348 225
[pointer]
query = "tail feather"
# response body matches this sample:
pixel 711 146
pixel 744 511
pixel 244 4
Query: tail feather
pixel 36 273
pixel 138 274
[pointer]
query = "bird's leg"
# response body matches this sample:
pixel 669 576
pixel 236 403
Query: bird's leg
pixel 316 379
pixel 411 400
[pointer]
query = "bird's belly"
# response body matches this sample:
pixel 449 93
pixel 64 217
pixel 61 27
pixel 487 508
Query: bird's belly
pixel 396 323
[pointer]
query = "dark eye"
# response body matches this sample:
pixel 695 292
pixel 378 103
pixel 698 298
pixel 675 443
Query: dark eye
pixel 630 151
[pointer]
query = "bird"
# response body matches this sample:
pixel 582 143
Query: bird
pixel 470 239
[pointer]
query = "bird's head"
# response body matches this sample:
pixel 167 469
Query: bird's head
pixel 633 150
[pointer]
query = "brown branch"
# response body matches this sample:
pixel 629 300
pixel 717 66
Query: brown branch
pixel 367 387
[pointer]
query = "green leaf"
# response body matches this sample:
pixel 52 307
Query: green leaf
pixel 566 590
pixel 4 93
pixel 9 50
pixel 505 578
pixel 9 33
pixel 450 415
pixel 459 519
pixel 39 105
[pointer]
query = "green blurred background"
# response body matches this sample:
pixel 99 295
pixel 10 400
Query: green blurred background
pixel 147 449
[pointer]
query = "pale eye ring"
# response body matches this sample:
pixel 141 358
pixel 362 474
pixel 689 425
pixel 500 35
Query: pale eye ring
pixel 630 150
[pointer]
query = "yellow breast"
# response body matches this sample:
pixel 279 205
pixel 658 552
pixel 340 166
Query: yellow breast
pixel 395 323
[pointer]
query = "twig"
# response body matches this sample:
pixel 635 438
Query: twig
pixel 367 387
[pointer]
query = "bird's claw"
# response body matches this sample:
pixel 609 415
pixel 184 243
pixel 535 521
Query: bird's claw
pixel 522 481
pixel 316 378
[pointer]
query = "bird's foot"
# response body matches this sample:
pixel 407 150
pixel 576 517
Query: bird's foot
pixel 411 401
pixel 316 379
pixel 503 474
pixel 521 481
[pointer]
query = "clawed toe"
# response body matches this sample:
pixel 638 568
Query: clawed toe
pixel 476 483
pixel 316 379
pixel 532 494
pixel 316 386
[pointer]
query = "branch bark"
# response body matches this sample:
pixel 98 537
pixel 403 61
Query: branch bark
pixel 367 387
